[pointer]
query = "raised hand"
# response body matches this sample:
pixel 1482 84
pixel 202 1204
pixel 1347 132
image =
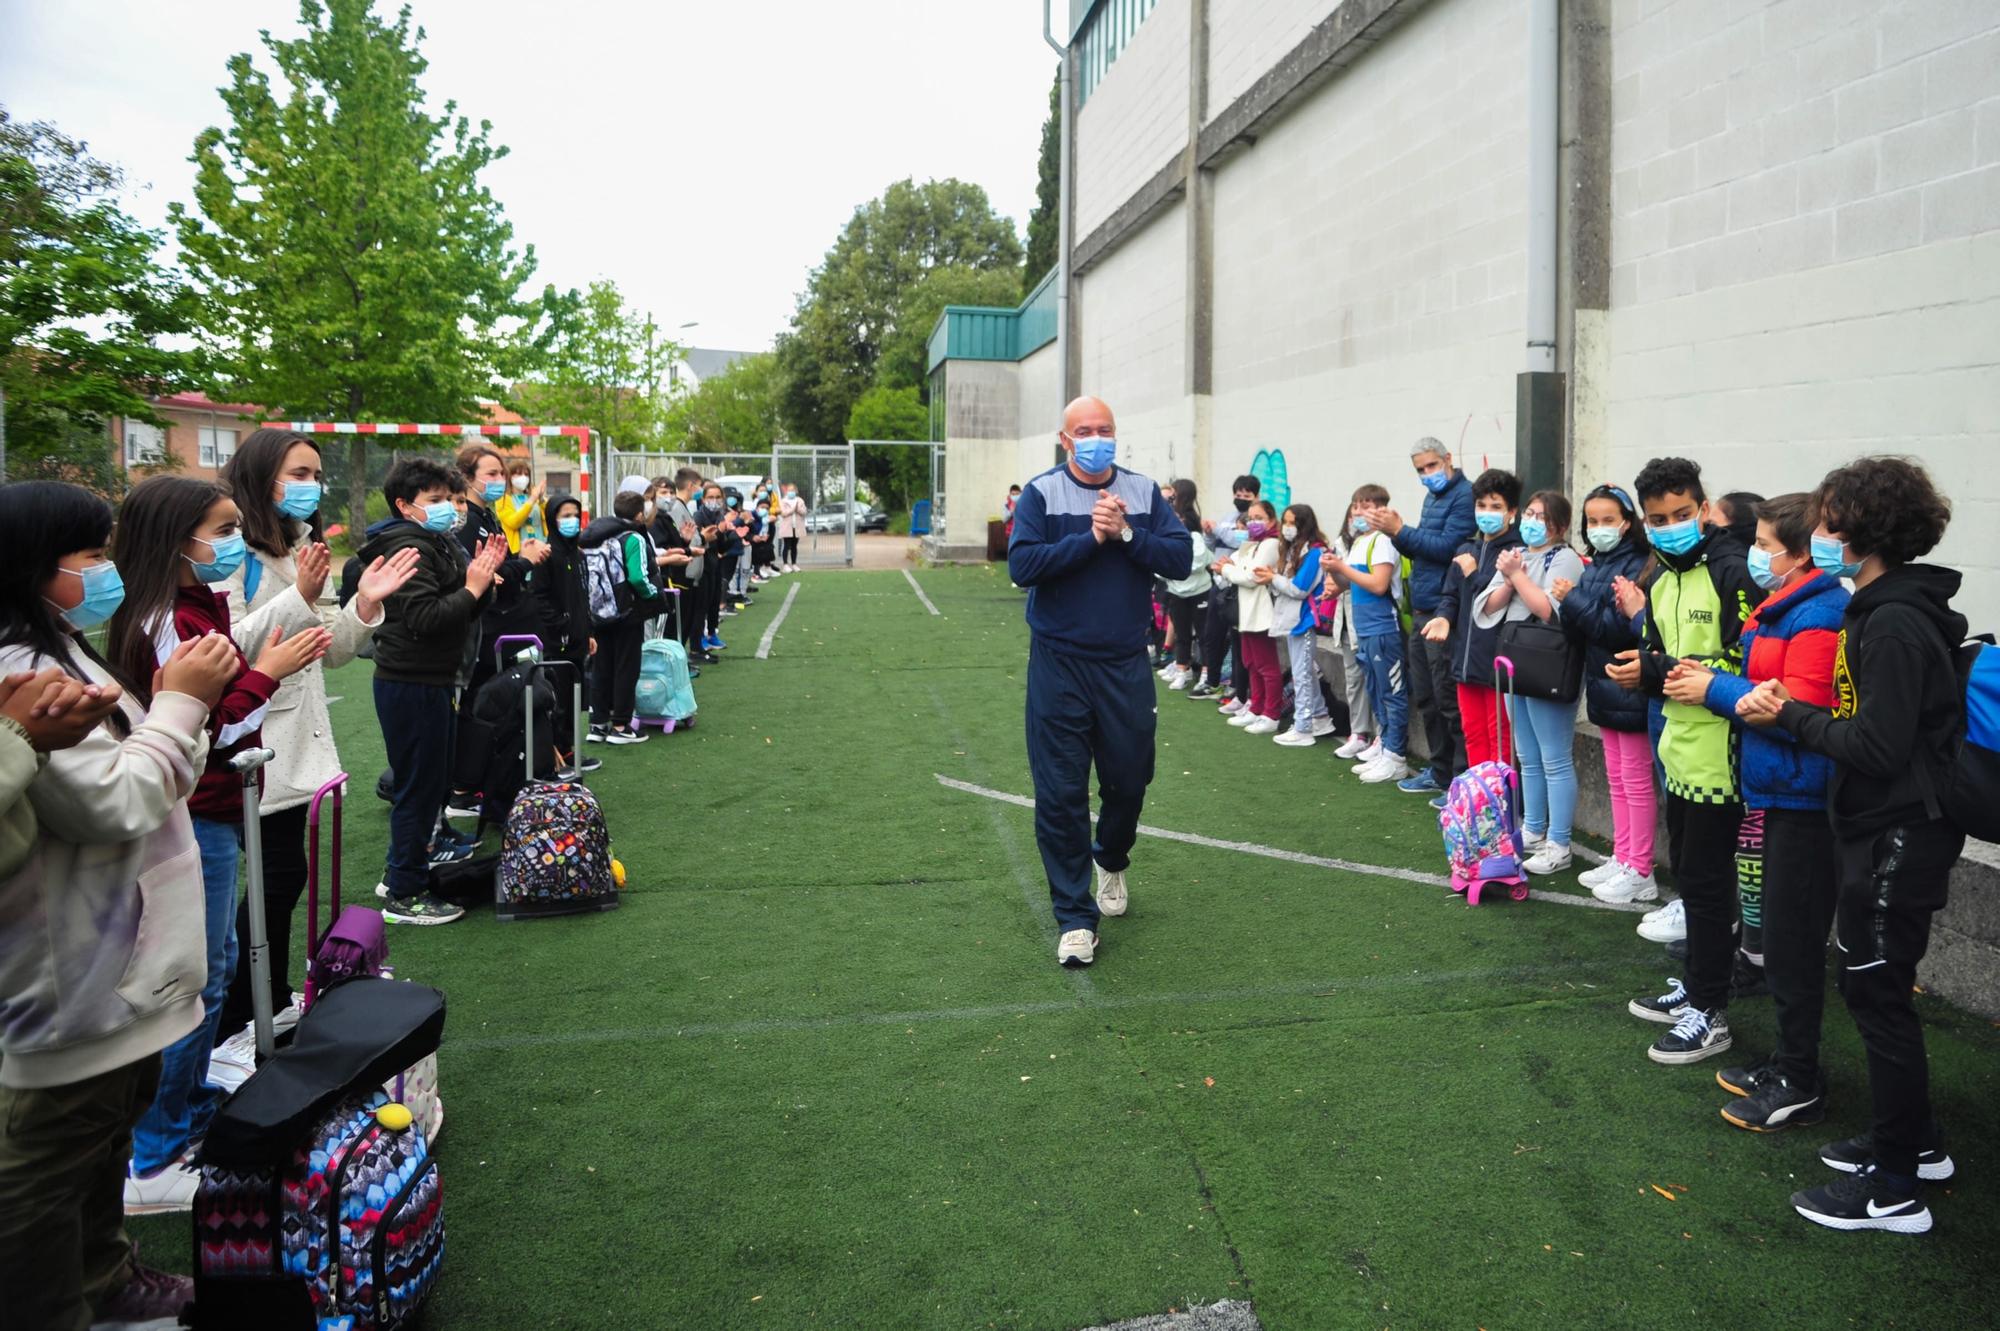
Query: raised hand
pixel 1466 564
pixel 56 709
pixel 383 579
pixel 1630 596
pixel 1559 588
pixel 533 550
pixel 1509 562
pixel 200 667
pixel 284 657
pixel 314 562
pixel 1386 520
pixel 1107 516
pixel 484 569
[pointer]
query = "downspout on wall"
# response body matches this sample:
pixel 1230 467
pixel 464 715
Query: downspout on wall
pixel 1539 395
pixel 1065 97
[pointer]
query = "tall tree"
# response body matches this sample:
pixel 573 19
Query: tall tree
pixel 84 303
pixel 906 349
pixel 895 475
pixel 740 410
pixel 605 367
pixel 1044 224
pixel 352 261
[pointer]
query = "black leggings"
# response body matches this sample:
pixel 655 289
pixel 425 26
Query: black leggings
pixel 791 544
pixel 284 881
pixel 1184 613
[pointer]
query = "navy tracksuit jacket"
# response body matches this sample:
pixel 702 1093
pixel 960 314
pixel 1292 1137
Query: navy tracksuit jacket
pixel 1090 684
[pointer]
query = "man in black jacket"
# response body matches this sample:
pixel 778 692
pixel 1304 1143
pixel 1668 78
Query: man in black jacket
pixel 1892 735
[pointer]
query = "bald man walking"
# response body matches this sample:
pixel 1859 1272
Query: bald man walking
pixel 1089 538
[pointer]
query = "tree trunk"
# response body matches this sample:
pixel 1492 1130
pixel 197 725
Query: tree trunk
pixel 357 475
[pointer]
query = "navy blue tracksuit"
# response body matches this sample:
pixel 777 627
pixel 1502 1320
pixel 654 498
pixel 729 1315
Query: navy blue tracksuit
pixel 1090 684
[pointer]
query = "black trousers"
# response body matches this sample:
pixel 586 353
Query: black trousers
pixel 1434 701
pixel 791 546
pixel 687 614
pixel 614 677
pixel 284 882
pixel 711 593
pixel 1800 888
pixel 1215 622
pixel 1891 883
pixel 564 683
pixel 1185 613
pixel 1701 846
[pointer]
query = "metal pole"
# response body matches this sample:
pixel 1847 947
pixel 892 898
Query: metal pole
pixel 1063 98
pixel 1544 104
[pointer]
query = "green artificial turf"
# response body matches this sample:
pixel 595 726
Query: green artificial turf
pixel 821 1069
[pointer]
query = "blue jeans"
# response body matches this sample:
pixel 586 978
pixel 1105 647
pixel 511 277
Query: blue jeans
pixel 418 726
pixel 1308 703
pixel 185 1102
pixel 1382 660
pixel 1545 733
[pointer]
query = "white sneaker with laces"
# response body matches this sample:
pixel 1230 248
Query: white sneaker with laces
pixel 1670 927
pixel 1323 727
pixel 172 1189
pixel 1263 725
pixel 1603 873
pixel 1230 708
pixel 1369 754
pixel 1389 767
pixel 1626 888
pixel 1294 739
pixel 1660 911
pixel 1550 858
pixel 1177 683
pixel 1246 717
pixel 1532 841
pixel 1354 747
pixel 1078 947
pixel 1112 898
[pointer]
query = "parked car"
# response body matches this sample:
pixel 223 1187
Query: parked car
pixel 832 517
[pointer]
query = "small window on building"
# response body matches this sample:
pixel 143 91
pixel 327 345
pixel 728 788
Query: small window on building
pixel 217 447
pixel 145 443
pixel 556 482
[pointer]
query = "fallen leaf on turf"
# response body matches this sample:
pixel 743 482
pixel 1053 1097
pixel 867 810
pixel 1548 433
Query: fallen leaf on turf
pixel 1663 1192
pixel 1208 1081
pixel 1026 1079
pixel 755 1297
pixel 1678 1187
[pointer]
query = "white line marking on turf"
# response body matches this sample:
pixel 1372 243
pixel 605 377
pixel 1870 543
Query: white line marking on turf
pixel 920 592
pixel 1297 857
pixel 764 644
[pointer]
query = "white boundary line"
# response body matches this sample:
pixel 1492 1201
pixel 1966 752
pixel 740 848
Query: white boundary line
pixel 920 592
pixel 764 644
pixel 1298 857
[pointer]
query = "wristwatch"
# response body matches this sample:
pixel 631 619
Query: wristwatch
pixel 1125 533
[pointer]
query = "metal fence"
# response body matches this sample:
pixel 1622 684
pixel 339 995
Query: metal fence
pixel 823 474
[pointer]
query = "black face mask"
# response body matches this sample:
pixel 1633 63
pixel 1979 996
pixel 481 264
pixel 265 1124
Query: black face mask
pixel 1242 504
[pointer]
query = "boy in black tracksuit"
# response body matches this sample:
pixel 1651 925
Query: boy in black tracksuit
pixel 1892 736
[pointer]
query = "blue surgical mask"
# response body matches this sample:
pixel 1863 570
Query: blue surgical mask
pixel 1359 524
pixel 1604 539
pixel 1096 454
pixel 440 516
pixel 1830 556
pixel 1763 574
pixel 732 501
pixel 494 489
pixel 1676 538
pixel 228 552
pixel 103 593
pixel 1435 481
pixel 301 499
pixel 569 526
pixel 1490 522
pixel 1535 532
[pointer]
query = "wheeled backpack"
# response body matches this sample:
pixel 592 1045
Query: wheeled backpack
pixel 665 695
pixel 1481 819
pixel 556 857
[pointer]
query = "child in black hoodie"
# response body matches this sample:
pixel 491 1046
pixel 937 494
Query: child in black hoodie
pixel 1895 720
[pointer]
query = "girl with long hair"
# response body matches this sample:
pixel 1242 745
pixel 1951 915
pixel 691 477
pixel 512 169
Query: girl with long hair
pixel 1187 599
pixel 1251 570
pixel 1297 575
pixel 1357 542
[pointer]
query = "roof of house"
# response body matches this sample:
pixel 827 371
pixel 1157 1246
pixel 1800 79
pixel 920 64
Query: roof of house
pixel 707 362
pixel 200 402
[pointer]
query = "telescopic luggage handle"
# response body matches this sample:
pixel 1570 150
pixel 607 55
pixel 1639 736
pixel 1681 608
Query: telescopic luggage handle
pixel 1501 697
pixel 528 703
pixel 337 789
pixel 246 765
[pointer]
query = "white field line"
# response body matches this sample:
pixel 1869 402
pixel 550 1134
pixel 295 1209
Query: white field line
pixel 920 592
pixel 764 643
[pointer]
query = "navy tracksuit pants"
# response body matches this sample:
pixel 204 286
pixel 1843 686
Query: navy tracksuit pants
pixel 1080 712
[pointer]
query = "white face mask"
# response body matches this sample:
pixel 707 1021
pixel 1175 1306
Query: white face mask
pixel 1290 533
pixel 520 485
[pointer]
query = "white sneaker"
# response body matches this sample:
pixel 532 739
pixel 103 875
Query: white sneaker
pixel 1532 841
pixel 1355 746
pixel 1551 858
pixel 1627 888
pixel 1246 717
pixel 1263 725
pixel 1389 767
pixel 172 1189
pixel 1168 671
pixel 234 1059
pixel 1670 927
pixel 1078 947
pixel 1661 910
pixel 1294 739
pixel 1369 754
pixel 1112 898
pixel 1323 726
pixel 1179 681
pixel 1603 873
pixel 1232 707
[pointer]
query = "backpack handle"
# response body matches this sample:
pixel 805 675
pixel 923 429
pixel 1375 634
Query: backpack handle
pixel 1501 697
pixel 337 788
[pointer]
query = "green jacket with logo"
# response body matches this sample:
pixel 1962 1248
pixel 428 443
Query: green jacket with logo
pixel 1695 608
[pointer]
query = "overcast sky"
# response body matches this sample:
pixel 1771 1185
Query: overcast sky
pixel 702 155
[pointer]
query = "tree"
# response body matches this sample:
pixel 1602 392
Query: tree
pixel 904 361
pixel 740 410
pixel 894 474
pixel 851 304
pixel 352 262
pixel 604 367
pixel 1044 224
pixel 84 303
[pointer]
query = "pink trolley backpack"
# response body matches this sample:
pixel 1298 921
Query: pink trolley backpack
pixel 1481 819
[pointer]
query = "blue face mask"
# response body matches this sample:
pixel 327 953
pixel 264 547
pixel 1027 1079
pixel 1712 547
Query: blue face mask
pixel 1676 538
pixel 103 593
pixel 1359 525
pixel 1762 573
pixel 301 499
pixel 1829 556
pixel 1490 522
pixel 732 501
pixel 1096 454
pixel 1604 539
pixel 569 526
pixel 1535 532
pixel 228 552
pixel 494 489
pixel 440 516
pixel 1435 481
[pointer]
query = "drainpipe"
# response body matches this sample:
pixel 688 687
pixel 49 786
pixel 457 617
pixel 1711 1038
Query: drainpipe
pixel 1062 211
pixel 1539 397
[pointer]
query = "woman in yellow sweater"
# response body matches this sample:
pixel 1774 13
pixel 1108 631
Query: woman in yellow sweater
pixel 520 508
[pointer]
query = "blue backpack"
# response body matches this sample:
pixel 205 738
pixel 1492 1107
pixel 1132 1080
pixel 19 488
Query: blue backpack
pixel 1970 794
pixel 665 691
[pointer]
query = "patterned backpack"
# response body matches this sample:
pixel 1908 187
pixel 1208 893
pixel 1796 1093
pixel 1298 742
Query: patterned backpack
pixel 1482 831
pixel 556 857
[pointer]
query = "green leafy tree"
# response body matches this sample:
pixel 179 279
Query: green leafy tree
pixel 84 303
pixel 1044 224
pixel 352 262
pixel 605 367
pixel 906 350
pixel 895 475
pixel 740 410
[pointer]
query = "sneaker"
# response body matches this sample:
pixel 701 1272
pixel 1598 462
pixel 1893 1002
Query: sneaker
pixel 450 852
pixel 1179 681
pixel 716 644
pixel 1389 767
pixel 234 1060
pixel 1231 707
pixel 1245 717
pixel 595 735
pixel 1667 1007
pixel 462 806
pixel 1421 783
pixel 1670 926
pixel 1078 947
pixel 1202 690
pixel 1112 898
pixel 1369 754
pixel 1295 739
pixel 1438 800
pixel 1168 671
pixel 1777 1105
pixel 1603 873
pixel 1353 746
pixel 1864 1201
pixel 1747 1081
pixel 148 1296
pixel 1551 858
pixel 587 765
pixel 1263 725
pixel 1697 1035
pixel 1626 888
pixel 1856 1153
pixel 1532 841
pixel 627 737
pixel 1661 910
pixel 172 1189
pixel 1323 727
pixel 1747 979
pixel 422 908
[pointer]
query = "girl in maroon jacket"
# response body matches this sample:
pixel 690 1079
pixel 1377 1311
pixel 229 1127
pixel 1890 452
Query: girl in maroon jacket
pixel 175 536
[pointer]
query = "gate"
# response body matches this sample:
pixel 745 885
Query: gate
pixel 824 474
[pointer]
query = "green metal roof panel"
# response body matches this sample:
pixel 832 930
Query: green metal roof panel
pixel 990 332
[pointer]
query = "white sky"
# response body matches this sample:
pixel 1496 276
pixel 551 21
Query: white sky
pixel 703 156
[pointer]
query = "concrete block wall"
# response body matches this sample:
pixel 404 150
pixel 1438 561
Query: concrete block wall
pixel 1018 441
pixel 1247 37
pixel 1136 120
pixel 1370 256
pixel 1806 249
pixel 1133 343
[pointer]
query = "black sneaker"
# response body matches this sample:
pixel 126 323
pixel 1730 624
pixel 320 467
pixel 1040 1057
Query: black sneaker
pixel 1202 691
pixel 450 852
pixel 422 908
pixel 1747 1081
pixel 1864 1201
pixel 1697 1035
pixel 1857 1153
pixel 595 735
pixel 1677 950
pixel 1747 980
pixel 1777 1104
pixel 1666 1007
